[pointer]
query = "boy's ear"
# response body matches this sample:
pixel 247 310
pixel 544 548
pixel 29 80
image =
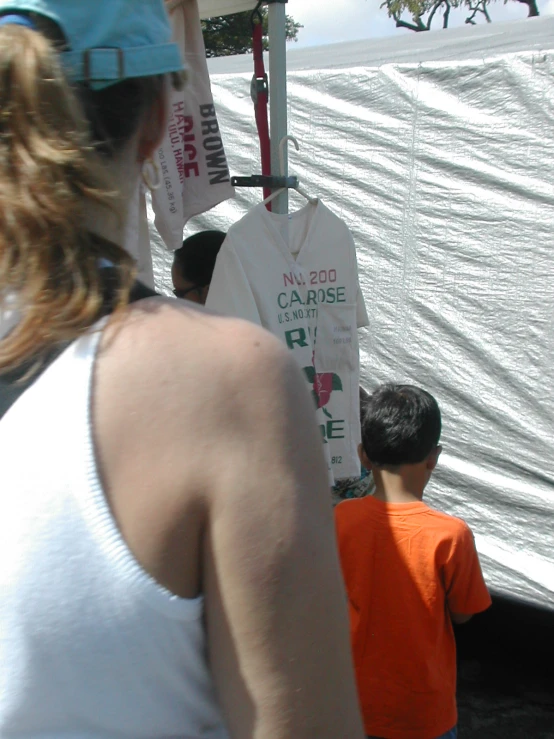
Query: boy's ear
pixel 363 458
pixel 433 458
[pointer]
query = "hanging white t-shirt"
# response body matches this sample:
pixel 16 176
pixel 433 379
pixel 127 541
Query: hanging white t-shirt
pixel 297 276
pixel 192 161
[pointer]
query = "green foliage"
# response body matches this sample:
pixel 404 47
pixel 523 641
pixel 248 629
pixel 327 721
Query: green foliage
pixel 415 8
pixel 232 34
pixel 423 13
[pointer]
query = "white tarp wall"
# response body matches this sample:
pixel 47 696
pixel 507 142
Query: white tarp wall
pixel 438 151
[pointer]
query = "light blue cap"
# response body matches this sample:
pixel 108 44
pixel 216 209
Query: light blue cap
pixel 109 40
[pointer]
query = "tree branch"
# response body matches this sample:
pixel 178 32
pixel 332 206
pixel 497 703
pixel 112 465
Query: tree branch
pixel 436 6
pixel 533 7
pixel 446 16
pixel 417 26
pixel 478 7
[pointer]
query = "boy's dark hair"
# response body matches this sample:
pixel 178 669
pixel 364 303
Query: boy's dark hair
pixel 401 424
pixel 196 258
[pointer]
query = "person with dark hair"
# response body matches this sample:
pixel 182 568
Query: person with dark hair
pixel 410 572
pixel 165 527
pixel 193 265
pixel 401 425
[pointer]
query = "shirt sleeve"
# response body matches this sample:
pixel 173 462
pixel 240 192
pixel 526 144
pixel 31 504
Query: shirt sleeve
pixel 466 591
pixel 230 293
pixel 362 319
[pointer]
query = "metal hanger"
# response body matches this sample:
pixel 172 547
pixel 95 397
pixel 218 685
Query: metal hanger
pixel 283 172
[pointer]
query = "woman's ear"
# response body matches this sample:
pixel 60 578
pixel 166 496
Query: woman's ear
pixel 154 124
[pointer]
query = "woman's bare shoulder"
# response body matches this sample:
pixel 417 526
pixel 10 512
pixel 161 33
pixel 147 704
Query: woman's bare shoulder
pixel 190 338
pixel 169 358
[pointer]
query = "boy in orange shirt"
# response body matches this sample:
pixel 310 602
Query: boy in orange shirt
pixel 410 572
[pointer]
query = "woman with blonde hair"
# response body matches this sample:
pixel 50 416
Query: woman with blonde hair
pixel 167 557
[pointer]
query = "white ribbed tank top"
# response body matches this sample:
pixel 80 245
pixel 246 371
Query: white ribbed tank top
pixel 90 645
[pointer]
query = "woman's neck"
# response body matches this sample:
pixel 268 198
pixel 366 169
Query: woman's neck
pixel 111 223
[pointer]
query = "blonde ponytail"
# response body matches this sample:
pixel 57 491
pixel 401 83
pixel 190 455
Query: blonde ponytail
pixel 49 170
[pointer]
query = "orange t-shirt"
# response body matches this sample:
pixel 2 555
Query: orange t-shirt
pixel 406 567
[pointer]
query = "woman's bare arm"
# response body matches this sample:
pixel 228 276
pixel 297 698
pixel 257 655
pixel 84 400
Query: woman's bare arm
pixel 276 610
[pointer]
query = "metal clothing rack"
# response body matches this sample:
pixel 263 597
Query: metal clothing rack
pixel 278 180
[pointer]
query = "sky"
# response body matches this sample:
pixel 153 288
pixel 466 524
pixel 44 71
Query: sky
pixel 331 21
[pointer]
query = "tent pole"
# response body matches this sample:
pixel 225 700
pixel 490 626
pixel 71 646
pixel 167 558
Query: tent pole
pixel 278 91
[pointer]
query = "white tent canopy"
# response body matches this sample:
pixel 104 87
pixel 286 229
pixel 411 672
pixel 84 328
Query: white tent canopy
pixel 210 8
pixel 437 150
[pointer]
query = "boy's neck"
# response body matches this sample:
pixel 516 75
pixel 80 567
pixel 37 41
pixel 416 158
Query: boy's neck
pixel 403 485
